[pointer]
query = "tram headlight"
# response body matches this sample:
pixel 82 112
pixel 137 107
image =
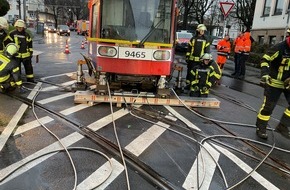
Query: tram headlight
pixel 161 55
pixel 107 51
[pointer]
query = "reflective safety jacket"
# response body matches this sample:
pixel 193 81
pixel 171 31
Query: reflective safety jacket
pixel 197 46
pixel 23 41
pixel 238 44
pixel 9 69
pixel 224 47
pixel 276 64
pixel 205 75
pixel 246 44
pixel 3 36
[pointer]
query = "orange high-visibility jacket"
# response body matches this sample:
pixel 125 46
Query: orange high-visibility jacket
pixel 224 48
pixel 238 44
pixel 246 44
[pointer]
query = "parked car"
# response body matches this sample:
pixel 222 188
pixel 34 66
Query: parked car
pixel 182 40
pixel 215 41
pixel 63 30
pixel 51 29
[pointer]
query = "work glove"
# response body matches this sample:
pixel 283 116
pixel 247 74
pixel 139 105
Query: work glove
pixel 287 83
pixel 265 80
pixel 205 88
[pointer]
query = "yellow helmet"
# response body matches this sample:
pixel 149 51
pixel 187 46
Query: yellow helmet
pixel 206 56
pixel 200 27
pixel 20 23
pixel 3 22
pixel 288 29
pixel 11 49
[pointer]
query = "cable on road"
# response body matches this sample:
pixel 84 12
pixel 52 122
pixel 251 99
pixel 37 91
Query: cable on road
pixel 62 150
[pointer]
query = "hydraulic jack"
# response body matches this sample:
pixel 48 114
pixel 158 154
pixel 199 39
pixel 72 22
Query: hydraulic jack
pixel 178 84
pixel 80 83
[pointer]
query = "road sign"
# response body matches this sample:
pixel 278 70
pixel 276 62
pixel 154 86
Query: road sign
pixel 226 7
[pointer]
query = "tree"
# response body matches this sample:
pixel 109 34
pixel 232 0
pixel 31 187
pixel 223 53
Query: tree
pixel 194 11
pixel 244 11
pixel 4 7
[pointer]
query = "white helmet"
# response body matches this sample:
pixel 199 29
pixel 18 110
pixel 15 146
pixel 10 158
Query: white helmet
pixel 206 56
pixel 20 23
pixel 11 49
pixel 3 23
pixel 201 27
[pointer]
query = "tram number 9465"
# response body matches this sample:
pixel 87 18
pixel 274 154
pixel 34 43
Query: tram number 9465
pixel 135 54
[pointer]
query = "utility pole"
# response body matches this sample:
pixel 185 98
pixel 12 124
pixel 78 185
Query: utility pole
pixel 19 8
pixel 24 10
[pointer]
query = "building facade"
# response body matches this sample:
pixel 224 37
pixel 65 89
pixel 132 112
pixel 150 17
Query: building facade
pixel 271 20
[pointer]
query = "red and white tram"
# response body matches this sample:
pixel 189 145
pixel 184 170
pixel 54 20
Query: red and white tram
pixel 131 43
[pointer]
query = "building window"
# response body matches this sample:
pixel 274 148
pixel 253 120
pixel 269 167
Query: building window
pixel 267 8
pixel 272 40
pixel 279 7
pixel 261 39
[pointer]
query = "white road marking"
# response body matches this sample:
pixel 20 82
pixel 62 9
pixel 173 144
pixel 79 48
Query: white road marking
pixel 53 76
pixel 209 169
pixel 8 130
pixel 255 175
pixel 67 141
pixel 55 98
pixel 138 145
pixel 56 87
pixel 98 176
pixel 186 121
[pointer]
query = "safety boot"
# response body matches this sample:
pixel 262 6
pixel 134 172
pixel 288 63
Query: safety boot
pixel 261 130
pixel 284 125
pixel 283 130
pixel 31 80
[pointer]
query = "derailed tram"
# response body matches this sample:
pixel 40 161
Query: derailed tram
pixel 131 44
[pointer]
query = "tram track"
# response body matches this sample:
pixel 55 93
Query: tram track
pixel 136 164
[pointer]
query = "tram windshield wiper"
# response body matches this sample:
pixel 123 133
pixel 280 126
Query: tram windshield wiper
pixel 150 32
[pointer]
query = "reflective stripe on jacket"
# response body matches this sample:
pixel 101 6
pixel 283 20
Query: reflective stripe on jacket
pixel 9 68
pixel 197 46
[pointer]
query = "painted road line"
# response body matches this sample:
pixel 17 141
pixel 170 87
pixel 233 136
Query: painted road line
pixel 51 88
pixel 47 119
pixel 32 125
pixel 142 142
pixel 98 176
pixel 55 98
pixel 67 141
pixel 255 175
pixel 8 130
pixel 209 167
pixel 180 117
pixel 53 76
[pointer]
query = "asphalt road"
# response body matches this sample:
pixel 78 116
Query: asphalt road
pixel 164 147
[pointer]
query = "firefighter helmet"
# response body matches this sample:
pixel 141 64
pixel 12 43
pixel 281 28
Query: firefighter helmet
pixel 20 23
pixel 3 22
pixel 11 49
pixel 201 27
pixel 288 29
pixel 206 56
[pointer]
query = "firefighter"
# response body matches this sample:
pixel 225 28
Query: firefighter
pixel 197 46
pixel 23 40
pixel 9 70
pixel 223 51
pixel 3 33
pixel 275 74
pixel 203 76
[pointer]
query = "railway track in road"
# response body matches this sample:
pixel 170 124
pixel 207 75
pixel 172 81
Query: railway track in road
pixel 166 121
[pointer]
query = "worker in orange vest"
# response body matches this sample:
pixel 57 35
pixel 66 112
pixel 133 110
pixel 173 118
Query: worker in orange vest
pixel 244 52
pixel 237 43
pixel 223 51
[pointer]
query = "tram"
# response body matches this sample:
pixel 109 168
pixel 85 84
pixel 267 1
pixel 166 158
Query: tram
pixel 131 44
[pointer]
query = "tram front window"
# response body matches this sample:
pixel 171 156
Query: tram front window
pixel 135 20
